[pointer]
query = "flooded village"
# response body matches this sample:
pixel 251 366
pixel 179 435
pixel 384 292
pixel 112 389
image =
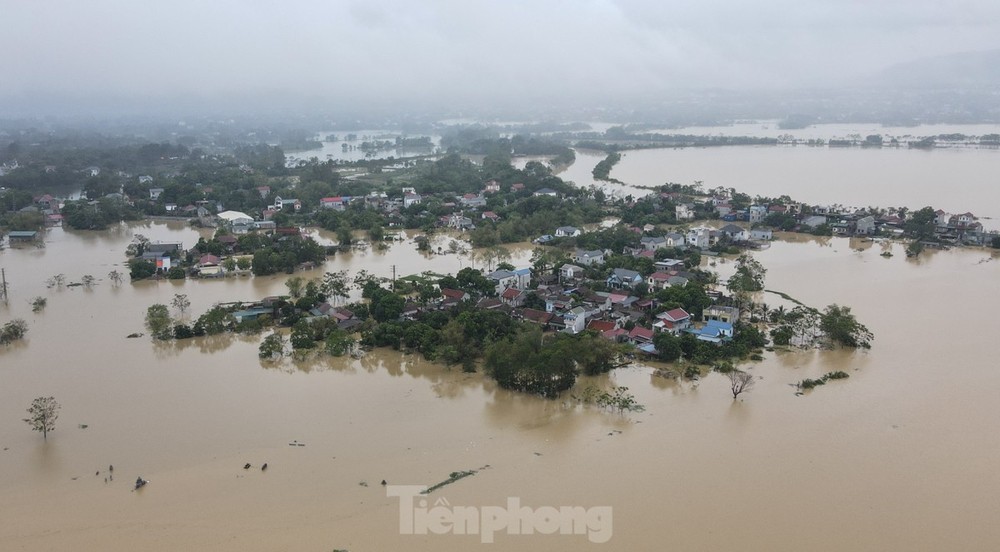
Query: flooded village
pixel 388 306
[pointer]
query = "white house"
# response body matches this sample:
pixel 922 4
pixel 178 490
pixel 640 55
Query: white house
pixel 684 211
pixel 503 279
pixel 522 277
pixel 281 204
pixel 575 319
pixel 570 272
pixel 675 240
pixel 411 199
pixel 700 237
pixel 757 213
pixel 155 193
pixel 567 232
pixel 588 258
pixel 652 243
pixel 546 192
pixel 734 232
pixel 941 218
pixel 814 221
pixel 336 203
pixel 865 226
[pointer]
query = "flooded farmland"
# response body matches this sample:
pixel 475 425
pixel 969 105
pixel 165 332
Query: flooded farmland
pixel 899 456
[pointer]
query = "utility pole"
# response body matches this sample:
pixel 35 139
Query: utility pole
pixel 394 278
pixel 3 286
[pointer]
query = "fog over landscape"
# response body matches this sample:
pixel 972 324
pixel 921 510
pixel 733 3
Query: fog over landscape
pixel 112 56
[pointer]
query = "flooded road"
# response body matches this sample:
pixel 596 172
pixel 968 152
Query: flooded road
pixel 900 456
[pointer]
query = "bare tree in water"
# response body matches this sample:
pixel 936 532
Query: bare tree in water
pixel 739 382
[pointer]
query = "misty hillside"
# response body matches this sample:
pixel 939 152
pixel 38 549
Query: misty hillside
pixel 963 70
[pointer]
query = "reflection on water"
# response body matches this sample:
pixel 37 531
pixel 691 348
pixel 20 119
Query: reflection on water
pixel 896 457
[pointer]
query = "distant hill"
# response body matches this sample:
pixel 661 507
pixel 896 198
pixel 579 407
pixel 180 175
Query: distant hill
pixel 963 70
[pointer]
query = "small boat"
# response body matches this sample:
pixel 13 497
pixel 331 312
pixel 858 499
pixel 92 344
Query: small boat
pixel 140 483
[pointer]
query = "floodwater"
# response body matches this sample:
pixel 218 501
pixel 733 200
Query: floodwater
pixel 336 149
pixel 772 129
pixel 956 180
pixel 901 456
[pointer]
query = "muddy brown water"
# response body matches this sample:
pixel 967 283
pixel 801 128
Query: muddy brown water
pixel 901 456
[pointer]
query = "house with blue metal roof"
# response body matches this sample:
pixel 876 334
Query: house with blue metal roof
pixel 714 331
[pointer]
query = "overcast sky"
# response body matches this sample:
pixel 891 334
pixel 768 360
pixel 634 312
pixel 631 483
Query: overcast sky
pixel 464 49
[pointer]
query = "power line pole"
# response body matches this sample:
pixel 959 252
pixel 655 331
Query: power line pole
pixel 3 286
pixel 393 278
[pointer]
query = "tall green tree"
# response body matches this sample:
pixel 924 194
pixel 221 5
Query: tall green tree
pixel 158 322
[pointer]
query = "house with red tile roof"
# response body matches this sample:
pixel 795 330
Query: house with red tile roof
pixel 673 321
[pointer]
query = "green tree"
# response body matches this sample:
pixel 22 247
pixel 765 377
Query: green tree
pixel 921 224
pixel 12 331
pixel 842 327
pixel 140 269
pixel 749 275
pixel 668 347
pixel 215 321
pixel 336 286
pixel 42 415
pixel 158 321
pixel 523 363
pixel 273 346
pixel 386 305
pixel 302 336
pixel 338 343
pixel 295 285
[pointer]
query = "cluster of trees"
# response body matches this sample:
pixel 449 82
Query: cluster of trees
pixel 531 362
pixel 746 341
pixel 84 215
pixel 602 171
pixel 286 255
pixel 12 331
pixel 802 326
pixel 163 327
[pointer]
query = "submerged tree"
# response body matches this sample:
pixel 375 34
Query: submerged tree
pixel 181 302
pixel 272 347
pixel 749 275
pixel 43 414
pixel 158 321
pixel 336 286
pixel 842 327
pixel 13 331
pixel 295 285
pixel 88 281
pixel 38 303
pixel 739 382
pixel 57 281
